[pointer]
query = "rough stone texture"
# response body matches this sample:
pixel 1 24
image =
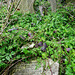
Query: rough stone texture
pixel 28 45
pixel 1 4
pixel 29 69
pixel 25 6
pixel 53 5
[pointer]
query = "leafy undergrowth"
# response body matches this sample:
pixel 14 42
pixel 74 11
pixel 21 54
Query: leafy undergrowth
pixel 53 35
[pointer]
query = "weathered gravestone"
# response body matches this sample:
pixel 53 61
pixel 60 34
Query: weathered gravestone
pixel 53 5
pixel 29 69
pixel 25 6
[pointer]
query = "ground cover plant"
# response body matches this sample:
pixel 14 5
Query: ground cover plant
pixel 52 34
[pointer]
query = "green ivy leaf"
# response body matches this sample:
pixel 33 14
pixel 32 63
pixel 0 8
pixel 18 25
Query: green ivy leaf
pixel 8 58
pixel 44 55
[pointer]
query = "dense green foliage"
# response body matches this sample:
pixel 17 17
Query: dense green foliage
pixel 55 29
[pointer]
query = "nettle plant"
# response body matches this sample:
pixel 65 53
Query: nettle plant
pixel 52 35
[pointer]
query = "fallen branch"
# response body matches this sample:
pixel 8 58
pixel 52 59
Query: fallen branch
pixel 8 15
pixel 41 10
pixel 16 7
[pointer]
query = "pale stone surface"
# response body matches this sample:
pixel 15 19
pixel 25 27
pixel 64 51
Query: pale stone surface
pixel 53 5
pixel 29 69
pixel 26 6
pixel 28 45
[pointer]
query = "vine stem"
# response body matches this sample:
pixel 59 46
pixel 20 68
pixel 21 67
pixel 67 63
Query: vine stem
pixel 50 68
